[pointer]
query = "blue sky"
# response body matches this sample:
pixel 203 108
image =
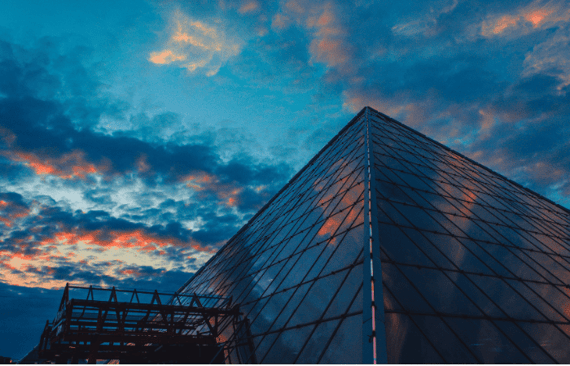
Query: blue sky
pixel 136 137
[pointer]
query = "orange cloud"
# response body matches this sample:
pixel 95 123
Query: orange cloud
pixel 328 45
pixel 198 180
pixel 331 51
pixel 11 212
pixel 196 45
pixel 165 57
pixel 7 222
pixel 227 193
pixel 68 166
pixel 280 22
pixel 537 16
pixel 536 13
pixel 82 247
pixel 504 22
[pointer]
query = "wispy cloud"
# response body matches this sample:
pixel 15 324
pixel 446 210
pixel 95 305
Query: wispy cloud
pixel 526 19
pixel 197 45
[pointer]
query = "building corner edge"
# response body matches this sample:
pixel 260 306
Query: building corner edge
pixel 374 330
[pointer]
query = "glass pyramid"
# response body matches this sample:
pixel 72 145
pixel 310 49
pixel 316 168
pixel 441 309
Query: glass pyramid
pixel 389 247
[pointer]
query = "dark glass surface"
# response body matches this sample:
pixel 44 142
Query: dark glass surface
pixel 346 344
pixel 474 266
pixel 296 268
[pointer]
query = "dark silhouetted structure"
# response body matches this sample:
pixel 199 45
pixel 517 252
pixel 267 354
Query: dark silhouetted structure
pixel 136 327
pixel 390 247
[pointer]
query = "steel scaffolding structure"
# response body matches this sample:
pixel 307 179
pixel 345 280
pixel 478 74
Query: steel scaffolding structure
pixel 149 327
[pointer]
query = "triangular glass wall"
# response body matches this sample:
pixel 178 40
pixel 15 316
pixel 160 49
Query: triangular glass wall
pixel 471 267
pixel 296 268
pixel 476 268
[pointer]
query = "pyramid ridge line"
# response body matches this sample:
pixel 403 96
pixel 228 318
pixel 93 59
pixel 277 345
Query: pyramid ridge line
pixel 566 210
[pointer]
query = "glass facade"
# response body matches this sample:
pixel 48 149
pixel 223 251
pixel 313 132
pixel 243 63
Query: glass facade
pixel 475 268
pixel 471 267
pixel 296 268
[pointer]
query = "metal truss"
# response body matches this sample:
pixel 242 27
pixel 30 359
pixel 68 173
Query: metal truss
pixel 186 328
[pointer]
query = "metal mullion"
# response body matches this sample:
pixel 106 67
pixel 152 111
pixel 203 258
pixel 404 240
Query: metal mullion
pixel 513 196
pixel 471 239
pixel 514 199
pixel 303 325
pixel 258 248
pixel 440 316
pixel 501 277
pixel 300 243
pixel 451 261
pixel 300 253
pixel 343 316
pixel 320 320
pixel 263 210
pixel 308 290
pixel 484 317
pixel 385 286
pixel 348 267
pixel 508 284
pixel 475 214
pixel 300 284
pixel 499 219
pixel 434 143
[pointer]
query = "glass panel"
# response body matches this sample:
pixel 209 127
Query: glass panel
pixel 352 285
pixel 406 344
pixel 402 290
pixel 288 345
pixel 506 298
pixel 317 343
pixel 346 345
pixel 451 348
pixel 486 342
pixel 524 343
pixel 317 300
pixel 440 292
pixel 290 306
pixel 550 338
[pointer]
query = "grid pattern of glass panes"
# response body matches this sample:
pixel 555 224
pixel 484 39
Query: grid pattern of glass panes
pixel 296 268
pixel 475 268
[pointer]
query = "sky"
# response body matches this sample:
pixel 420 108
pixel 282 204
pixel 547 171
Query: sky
pixel 137 137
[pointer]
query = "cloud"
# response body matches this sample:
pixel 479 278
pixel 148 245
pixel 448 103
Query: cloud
pixel 165 57
pixel 197 45
pixel 328 44
pixel 551 57
pixel 535 16
pixel 249 7
pixel 51 242
pixel 151 203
